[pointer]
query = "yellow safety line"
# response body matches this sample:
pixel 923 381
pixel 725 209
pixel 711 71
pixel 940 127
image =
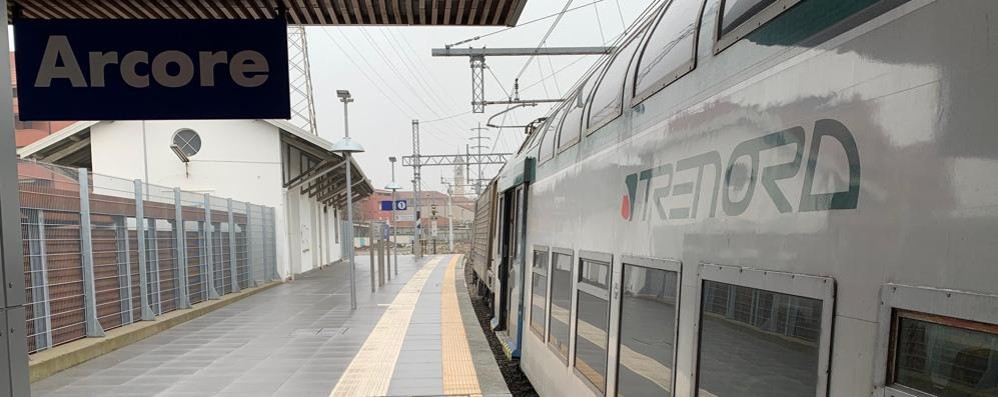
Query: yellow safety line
pixel 370 372
pixel 459 369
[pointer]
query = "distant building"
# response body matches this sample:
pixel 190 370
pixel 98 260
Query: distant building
pixel 267 162
pixel 369 210
pixel 27 132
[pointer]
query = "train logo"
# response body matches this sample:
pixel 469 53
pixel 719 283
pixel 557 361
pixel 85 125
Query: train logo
pixel 656 184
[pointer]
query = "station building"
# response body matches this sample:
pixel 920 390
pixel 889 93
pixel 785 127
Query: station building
pixel 267 162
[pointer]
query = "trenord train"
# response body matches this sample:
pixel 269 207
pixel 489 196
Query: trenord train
pixel 760 198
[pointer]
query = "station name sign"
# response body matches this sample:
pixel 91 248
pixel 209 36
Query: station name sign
pixel 151 69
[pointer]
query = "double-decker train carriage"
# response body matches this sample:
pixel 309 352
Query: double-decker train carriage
pixel 760 198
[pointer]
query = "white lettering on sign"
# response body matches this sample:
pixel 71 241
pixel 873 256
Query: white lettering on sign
pixel 172 68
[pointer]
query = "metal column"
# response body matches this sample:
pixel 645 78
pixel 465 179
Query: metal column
pixel 233 268
pixel 371 248
pixel 183 279
pixel 209 252
pixel 140 236
pixel 13 340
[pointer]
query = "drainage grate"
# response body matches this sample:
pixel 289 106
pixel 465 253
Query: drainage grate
pixel 318 332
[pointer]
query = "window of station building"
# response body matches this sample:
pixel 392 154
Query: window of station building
pixel 559 317
pixel 539 291
pixel 753 342
pixel 648 318
pixel 608 99
pixel 188 141
pixel 943 356
pixel 593 318
pixel 670 50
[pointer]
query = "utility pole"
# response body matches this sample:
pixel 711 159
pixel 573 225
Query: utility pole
pixel 450 215
pixel 467 162
pixel 478 145
pixel 416 168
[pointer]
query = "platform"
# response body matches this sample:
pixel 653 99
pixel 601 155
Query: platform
pixel 417 335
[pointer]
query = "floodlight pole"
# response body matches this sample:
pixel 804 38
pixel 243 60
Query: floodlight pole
pixel 346 99
pixel 395 245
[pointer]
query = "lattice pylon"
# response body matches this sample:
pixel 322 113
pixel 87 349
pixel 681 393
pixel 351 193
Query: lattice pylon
pixel 300 77
pixel 478 84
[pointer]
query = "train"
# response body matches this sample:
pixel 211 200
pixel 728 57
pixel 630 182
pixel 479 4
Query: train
pixel 759 198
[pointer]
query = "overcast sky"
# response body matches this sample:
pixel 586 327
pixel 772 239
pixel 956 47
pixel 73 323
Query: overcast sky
pixel 393 78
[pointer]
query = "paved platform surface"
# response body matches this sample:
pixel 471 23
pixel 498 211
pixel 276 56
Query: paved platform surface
pixel 417 335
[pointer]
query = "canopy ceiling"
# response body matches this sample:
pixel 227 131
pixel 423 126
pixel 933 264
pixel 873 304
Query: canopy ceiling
pixel 299 12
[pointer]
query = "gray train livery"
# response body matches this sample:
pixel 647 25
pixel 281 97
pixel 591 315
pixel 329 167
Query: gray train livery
pixel 760 198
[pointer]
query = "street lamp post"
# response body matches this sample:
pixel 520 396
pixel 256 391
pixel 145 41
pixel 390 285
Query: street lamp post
pixel 346 147
pixel 393 187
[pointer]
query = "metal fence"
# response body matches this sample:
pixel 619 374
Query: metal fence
pixel 101 252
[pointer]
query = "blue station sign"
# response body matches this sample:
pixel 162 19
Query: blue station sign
pixel 151 69
pixel 400 205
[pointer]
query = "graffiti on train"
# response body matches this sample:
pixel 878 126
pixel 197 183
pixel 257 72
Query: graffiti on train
pixel 658 192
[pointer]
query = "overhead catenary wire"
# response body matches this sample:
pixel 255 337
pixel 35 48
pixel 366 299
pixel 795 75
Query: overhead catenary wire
pixel 470 39
pixel 396 99
pixel 544 39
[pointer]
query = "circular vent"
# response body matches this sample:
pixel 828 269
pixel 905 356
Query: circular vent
pixel 188 141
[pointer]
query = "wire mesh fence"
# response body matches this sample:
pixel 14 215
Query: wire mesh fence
pixel 101 252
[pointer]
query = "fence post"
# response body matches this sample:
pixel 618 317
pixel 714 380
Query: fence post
pixel 183 280
pixel 233 265
pixel 153 264
pixel 272 243
pixel 124 269
pixel 41 307
pixel 93 327
pixel 370 249
pixel 210 253
pixel 250 261
pixel 140 237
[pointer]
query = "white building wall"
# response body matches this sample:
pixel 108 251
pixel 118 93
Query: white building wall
pixel 240 159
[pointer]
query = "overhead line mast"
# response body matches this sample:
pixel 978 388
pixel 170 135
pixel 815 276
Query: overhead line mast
pixel 478 67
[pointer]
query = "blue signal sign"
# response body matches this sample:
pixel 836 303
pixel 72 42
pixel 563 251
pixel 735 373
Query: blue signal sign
pixel 400 205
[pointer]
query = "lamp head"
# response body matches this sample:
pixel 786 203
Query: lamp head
pixel 347 145
pixel 392 159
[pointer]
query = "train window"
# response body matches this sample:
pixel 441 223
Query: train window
pixel 550 136
pixel 648 317
pixel 559 316
pixel 670 51
pixel 571 126
pixel 539 291
pixel 943 356
pixel 736 12
pixel 738 18
pixel 608 99
pixel 593 318
pixel 777 324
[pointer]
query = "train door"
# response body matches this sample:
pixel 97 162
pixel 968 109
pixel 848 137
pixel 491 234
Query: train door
pixel 510 280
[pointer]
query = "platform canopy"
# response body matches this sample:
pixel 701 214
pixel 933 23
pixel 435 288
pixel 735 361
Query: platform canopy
pixel 299 12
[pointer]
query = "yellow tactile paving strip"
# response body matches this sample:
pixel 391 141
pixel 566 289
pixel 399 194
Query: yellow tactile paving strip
pixel 459 377
pixel 370 372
